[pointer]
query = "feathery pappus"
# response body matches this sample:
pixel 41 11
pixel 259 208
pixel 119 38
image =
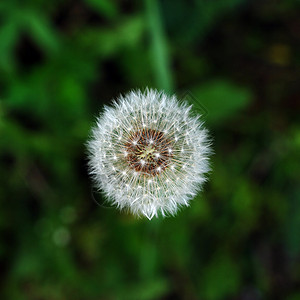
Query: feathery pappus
pixel 149 153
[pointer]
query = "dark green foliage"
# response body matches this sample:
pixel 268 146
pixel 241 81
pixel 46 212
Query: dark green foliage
pixel 237 61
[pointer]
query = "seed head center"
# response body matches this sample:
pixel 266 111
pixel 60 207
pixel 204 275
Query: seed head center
pixel 148 151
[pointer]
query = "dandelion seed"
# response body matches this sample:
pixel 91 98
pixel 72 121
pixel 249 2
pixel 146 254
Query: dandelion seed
pixel 158 146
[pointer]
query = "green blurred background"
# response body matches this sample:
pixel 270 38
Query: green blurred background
pixel 237 61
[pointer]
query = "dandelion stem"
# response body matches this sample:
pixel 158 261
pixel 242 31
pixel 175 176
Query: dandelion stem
pixel 149 250
pixel 161 64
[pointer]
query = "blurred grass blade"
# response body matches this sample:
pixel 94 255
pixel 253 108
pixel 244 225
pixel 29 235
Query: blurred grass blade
pixel 161 62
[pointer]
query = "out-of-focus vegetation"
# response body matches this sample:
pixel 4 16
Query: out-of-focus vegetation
pixel 237 61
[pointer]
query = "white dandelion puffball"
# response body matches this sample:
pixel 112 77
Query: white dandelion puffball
pixel 148 153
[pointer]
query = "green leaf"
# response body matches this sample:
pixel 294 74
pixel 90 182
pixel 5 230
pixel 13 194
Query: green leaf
pixel 221 100
pixel 40 30
pixel 105 7
pixel 8 36
pixel 108 42
pixel 148 290
pixel 221 278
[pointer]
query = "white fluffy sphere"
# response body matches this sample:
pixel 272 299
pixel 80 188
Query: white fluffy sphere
pixel 148 153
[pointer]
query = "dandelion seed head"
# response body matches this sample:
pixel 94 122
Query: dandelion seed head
pixel 148 153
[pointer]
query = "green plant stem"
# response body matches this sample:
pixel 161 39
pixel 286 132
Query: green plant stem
pixel 161 64
pixel 149 250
